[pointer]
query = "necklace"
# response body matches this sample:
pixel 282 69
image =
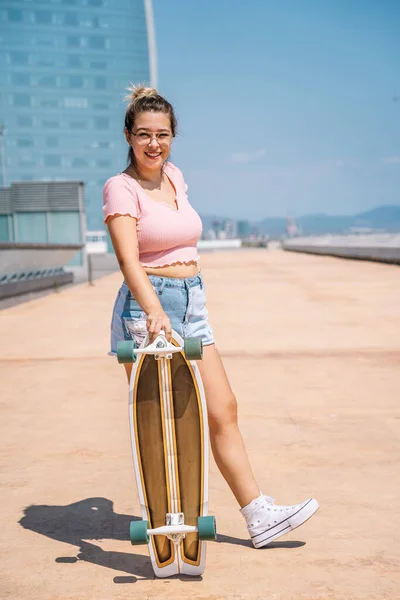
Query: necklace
pixel 141 181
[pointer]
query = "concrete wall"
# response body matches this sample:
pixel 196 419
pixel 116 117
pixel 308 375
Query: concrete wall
pixel 22 258
pixel 219 244
pixel 26 268
pixel 376 247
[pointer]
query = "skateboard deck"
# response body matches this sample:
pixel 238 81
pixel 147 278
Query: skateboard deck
pixel 169 436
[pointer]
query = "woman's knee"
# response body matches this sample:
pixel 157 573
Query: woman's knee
pixel 223 416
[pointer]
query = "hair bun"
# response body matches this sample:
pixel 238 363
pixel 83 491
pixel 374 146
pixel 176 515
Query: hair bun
pixel 139 91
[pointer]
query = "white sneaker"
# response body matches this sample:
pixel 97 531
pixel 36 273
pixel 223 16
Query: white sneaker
pixel 267 521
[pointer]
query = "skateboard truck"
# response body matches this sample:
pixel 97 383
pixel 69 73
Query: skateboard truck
pixel 160 348
pixel 161 344
pixel 175 529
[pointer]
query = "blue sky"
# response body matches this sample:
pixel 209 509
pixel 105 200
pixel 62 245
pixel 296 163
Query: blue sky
pixel 283 107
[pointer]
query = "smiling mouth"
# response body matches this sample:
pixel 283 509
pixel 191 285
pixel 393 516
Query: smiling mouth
pixel 153 155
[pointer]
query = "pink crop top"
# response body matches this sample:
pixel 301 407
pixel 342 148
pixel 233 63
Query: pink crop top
pixel 165 235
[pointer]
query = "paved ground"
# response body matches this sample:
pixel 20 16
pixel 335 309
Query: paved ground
pixel 318 388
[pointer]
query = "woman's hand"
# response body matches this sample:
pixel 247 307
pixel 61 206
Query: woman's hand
pixel 158 320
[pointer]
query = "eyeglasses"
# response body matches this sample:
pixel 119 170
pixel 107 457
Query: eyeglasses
pixel 144 137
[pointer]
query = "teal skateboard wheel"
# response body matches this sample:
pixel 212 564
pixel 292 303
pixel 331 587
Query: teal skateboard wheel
pixel 193 348
pixel 126 351
pixel 138 533
pixel 206 528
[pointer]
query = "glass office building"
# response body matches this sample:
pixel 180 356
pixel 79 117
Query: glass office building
pixel 65 66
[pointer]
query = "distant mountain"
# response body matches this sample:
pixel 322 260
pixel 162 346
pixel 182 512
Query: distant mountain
pixel 271 226
pixel 325 223
pixel 386 218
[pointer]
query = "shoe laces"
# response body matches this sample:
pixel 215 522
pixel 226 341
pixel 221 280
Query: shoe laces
pixel 268 499
pixel 269 503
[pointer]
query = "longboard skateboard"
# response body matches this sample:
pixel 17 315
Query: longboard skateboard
pixel 169 435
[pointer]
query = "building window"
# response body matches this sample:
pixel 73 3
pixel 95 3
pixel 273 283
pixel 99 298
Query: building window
pixel 73 41
pixel 74 61
pixel 25 122
pixel 100 105
pixel 77 124
pixel 103 23
pixel 79 162
pixel 98 64
pixel 20 79
pixel 103 163
pixel 44 62
pixel 48 103
pixel 52 142
pixel 50 124
pixel 71 19
pixel 14 15
pixel 100 83
pixel 85 21
pixel 44 41
pixel 26 162
pixel 52 160
pixel 19 58
pixel 101 123
pixel 75 81
pixel 25 143
pixel 21 100
pixel 96 43
pixel 76 102
pixel 43 17
pixel 47 81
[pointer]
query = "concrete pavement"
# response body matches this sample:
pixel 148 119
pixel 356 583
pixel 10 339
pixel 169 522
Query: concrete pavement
pixel 312 348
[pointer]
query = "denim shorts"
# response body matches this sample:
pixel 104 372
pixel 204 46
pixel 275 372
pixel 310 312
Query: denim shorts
pixel 183 300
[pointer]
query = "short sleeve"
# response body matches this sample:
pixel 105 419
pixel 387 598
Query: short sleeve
pixel 119 198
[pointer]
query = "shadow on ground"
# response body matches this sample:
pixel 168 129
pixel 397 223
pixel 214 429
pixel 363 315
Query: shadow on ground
pixel 95 519
pixel 227 539
pixel 89 519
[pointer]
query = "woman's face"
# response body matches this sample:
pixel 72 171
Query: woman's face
pixel 150 138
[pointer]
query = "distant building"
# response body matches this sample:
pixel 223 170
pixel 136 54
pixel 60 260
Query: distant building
pixel 96 242
pixel 231 229
pixel 291 226
pixel 44 213
pixel 64 69
pixel 243 229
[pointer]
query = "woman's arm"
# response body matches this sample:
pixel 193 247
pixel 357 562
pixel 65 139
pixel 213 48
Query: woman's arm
pixel 123 235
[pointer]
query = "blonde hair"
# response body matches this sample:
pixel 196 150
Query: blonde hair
pixel 142 98
pixel 139 91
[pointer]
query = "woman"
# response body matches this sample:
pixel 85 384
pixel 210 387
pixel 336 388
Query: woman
pixel 154 231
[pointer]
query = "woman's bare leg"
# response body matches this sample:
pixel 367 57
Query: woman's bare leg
pixel 226 440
